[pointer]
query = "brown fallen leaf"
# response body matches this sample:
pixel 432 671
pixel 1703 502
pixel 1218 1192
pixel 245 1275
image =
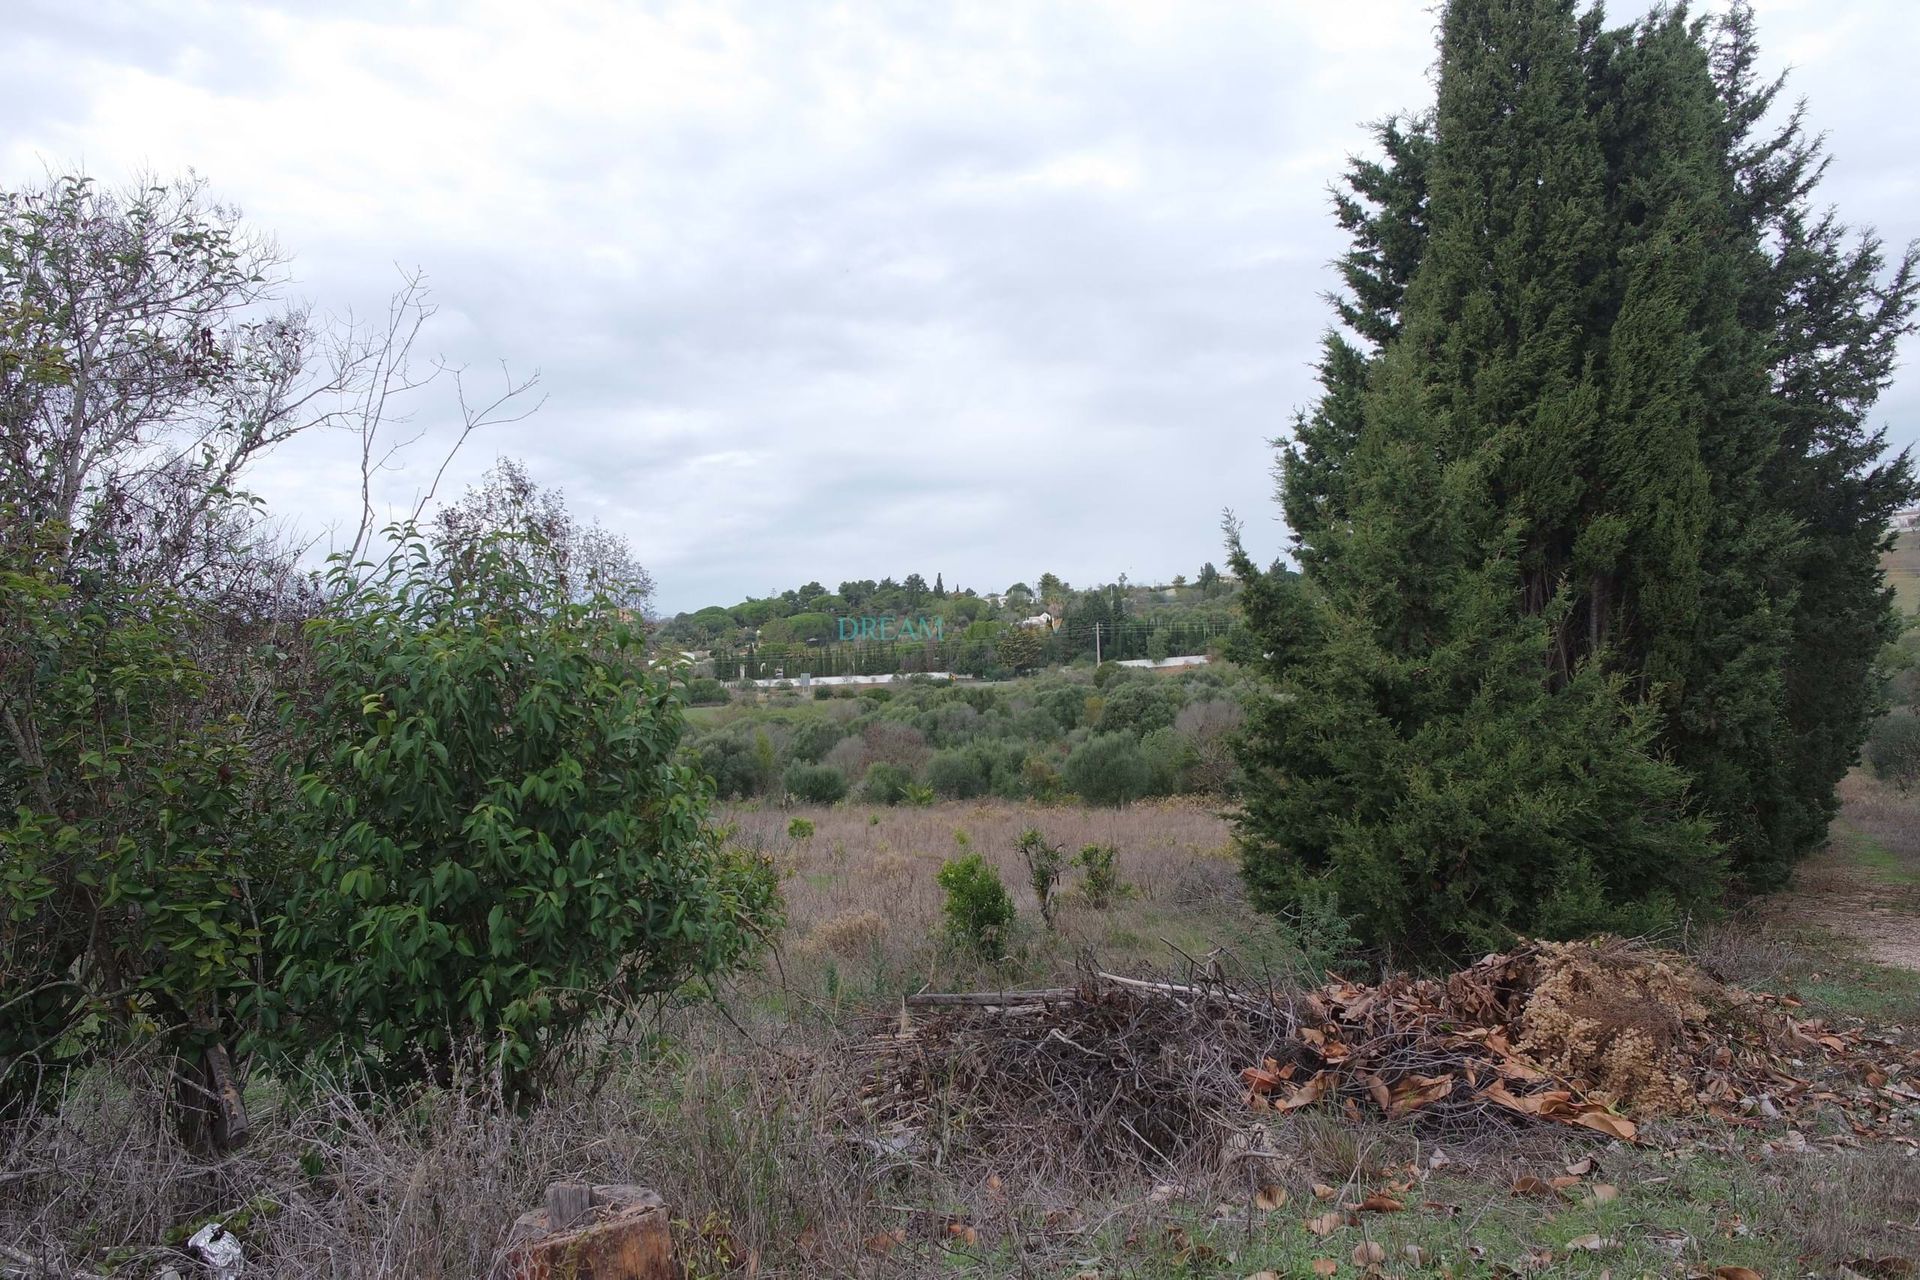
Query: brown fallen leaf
pixel 1736 1273
pixel 887 1241
pixel 1324 1266
pixel 1327 1223
pixel 1592 1243
pixel 1321 1191
pixel 1378 1203
pixel 1307 1094
pixel 1606 1122
pixel 1416 1255
pixel 963 1232
pixel 1270 1197
pixel 1528 1185
pixel 1603 1193
pixel 1260 1080
pixel 1369 1253
pixel 1581 1167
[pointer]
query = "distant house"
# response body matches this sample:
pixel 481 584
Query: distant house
pixel 1906 521
pixel 1038 621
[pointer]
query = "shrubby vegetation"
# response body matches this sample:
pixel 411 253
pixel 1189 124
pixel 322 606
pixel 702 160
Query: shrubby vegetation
pixel 430 807
pixel 1109 737
pixel 504 843
pixel 979 911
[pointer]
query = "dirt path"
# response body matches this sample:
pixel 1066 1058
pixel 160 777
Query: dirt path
pixel 1866 884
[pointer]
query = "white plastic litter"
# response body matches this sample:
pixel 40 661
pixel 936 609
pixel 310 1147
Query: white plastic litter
pixel 219 1248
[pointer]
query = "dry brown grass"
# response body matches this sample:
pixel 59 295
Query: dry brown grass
pixel 863 901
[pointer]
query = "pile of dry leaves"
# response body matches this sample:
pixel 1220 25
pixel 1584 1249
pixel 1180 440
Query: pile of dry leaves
pixel 1598 1034
pixel 1601 1034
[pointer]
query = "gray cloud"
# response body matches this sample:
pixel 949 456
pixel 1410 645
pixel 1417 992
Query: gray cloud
pixel 982 290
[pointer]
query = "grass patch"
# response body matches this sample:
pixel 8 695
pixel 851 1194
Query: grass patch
pixel 1875 858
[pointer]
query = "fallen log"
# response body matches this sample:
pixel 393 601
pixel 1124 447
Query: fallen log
pixel 976 999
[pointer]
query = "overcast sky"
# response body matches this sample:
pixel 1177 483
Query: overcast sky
pixel 837 291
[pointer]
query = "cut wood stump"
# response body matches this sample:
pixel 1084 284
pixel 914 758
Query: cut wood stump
pixel 592 1233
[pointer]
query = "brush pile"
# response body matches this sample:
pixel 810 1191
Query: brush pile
pixel 1602 1035
pixel 1113 1073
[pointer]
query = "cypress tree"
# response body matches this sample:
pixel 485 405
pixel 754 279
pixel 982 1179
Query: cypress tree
pixel 1561 659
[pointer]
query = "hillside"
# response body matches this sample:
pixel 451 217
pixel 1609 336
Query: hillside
pixel 1903 570
pixel 887 627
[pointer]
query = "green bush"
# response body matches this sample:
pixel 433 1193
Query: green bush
pixel 1170 757
pixel 1139 707
pixel 958 774
pixel 130 819
pixel 504 846
pixel 1107 769
pixel 1100 884
pixel 704 691
pixel 886 783
pixel 815 783
pixel 800 829
pixel 812 739
pixel 978 908
pixel 1893 750
pixel 1044 865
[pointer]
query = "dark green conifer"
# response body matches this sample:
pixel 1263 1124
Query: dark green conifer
pixel 1587 509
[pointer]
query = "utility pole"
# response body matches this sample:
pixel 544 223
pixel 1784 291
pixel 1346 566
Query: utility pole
pixel 1096 644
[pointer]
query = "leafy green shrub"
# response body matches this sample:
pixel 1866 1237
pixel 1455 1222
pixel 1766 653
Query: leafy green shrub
pixel 1100 885
pixel 1107 769
pixel 1039 777
pixel 1066 705
pixel 1139 707
pixel 958 774
pixel 886 783
pixel 978 908
pixel 731 760
pixel 918 795
pixel 1893 750
pixel 812 740
pixel 1324 937
pixel 129 819
pixel 504 845
pixel 1044 865
pixel 800 829
pixel 815 783
pixel 1170 757
pixel 705 691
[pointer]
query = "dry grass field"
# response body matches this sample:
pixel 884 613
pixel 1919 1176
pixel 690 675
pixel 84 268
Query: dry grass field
pixel 863 902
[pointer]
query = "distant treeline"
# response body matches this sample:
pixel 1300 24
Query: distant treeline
pixel 809 630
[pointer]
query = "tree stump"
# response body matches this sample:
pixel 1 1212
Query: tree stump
pixel 592 1233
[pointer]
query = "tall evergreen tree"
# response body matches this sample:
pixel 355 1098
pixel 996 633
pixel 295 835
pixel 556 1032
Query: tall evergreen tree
pixel 1552 497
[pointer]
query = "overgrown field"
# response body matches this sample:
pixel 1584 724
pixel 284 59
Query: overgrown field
pixel 761 1119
